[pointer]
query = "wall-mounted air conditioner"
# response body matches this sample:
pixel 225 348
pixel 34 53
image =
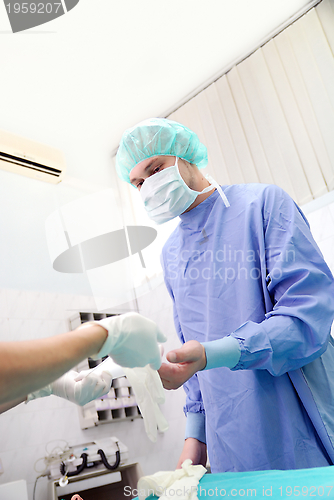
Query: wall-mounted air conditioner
pixel 29 158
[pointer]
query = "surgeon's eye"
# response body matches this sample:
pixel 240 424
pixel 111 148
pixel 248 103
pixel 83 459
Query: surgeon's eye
pixel 157 168
pixel 139 185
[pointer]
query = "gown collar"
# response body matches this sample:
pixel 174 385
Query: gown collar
pixel 197 216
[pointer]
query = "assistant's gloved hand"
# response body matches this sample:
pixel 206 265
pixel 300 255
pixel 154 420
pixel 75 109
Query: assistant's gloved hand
pixel 149 393
pixel 109 366
pixel 132 340
pixel 79 388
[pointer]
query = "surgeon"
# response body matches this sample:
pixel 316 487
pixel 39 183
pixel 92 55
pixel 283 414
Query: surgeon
pixel 37 368
pixel 253 303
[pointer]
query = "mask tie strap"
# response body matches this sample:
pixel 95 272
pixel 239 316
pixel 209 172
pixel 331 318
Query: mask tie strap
pixel 219 189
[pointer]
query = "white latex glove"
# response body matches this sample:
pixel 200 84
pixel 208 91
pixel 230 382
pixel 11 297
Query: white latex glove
pixel 79 388
pixel 149 392
pixel 108 366
pixel 132 340
pixel 184 480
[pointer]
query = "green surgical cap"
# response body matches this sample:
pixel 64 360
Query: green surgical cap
pixel 156 137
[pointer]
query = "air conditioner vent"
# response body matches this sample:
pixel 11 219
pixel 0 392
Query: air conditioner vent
pixel 31 159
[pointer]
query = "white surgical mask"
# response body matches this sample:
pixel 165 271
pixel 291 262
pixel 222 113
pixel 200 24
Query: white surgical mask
pixel 166 195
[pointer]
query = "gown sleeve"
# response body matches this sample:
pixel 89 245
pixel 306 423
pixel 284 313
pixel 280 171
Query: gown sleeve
pixel 194 407
pixel 301 288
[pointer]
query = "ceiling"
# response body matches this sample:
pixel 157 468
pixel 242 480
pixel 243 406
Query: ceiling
pixel 77 82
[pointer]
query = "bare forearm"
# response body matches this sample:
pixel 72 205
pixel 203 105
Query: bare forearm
pixel 10 404
pixel 195 450
pixel 30 365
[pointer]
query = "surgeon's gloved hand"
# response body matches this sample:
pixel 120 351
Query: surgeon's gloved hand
pixel 132 340
pixel 79 388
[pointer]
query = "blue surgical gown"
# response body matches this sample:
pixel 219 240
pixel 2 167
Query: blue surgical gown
pixel 253 271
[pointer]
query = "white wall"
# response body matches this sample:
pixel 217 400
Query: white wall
pixel 25 205
pixel 320 214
